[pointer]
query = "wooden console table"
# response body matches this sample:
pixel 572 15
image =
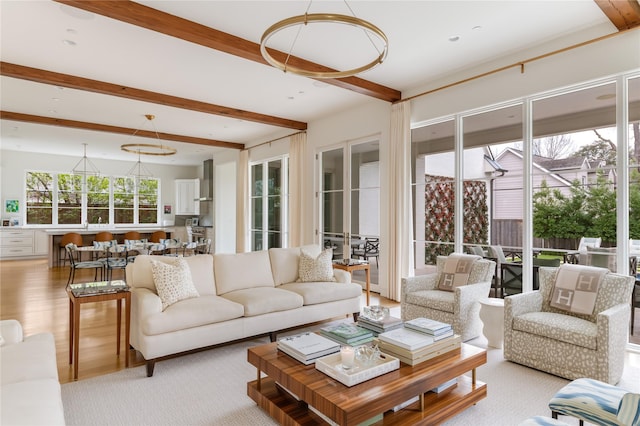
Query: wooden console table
pixel 74 323
pixel 356 404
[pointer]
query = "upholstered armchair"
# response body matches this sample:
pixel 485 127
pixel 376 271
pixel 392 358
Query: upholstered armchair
pixel 422 295
pixel 586 338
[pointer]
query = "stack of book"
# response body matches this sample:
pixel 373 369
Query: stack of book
pixel 379 326
pixel 413 347
pixel 347 334
pixel 307 347
pixel 438 330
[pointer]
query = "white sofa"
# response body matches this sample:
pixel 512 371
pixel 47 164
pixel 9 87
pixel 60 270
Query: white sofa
pixel 30 390
pixel 240 295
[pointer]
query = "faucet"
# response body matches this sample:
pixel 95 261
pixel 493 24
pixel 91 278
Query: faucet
pixel 99 221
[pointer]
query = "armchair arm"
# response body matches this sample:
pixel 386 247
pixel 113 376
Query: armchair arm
pixel 342 276
pixel 419 282
pixel 613 331
pixel 522 303
pixel 466 295
pixel 11 331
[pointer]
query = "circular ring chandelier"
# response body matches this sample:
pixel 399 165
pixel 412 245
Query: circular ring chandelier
pixel 148 149
pixel 322 18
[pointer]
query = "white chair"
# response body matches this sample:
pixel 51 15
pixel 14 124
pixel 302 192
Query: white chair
pixel 634 248
pixel 421 296
pixel 585 243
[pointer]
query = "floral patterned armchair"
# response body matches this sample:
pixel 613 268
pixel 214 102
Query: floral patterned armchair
pixel 570 344
pixel 422 297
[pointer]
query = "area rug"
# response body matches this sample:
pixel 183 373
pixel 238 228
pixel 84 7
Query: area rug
pixel 209 388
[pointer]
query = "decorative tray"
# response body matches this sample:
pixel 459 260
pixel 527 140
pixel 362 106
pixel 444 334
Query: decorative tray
pixel 331 365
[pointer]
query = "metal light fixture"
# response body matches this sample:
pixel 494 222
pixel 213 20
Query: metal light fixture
pixel 323 18
pixel 85 167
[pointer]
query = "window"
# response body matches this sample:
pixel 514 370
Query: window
pixel 269 204
pixel 59 199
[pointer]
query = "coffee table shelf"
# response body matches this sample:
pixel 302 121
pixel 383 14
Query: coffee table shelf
pixel 353 405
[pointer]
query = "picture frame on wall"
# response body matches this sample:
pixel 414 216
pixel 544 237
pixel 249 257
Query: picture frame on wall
pixel 167 209
pixel 5 222
pixel 11 206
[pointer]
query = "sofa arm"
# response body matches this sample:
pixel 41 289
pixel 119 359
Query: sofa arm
pixel 342 276
pixel 419 282
pixel 10 332
pixel 145 301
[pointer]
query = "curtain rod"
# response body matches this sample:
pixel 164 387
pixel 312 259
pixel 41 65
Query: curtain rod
pixel 520 64
pixel 273 140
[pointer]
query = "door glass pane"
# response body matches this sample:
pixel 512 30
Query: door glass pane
pixel 634 201
pixel 332 201
pixel 432 172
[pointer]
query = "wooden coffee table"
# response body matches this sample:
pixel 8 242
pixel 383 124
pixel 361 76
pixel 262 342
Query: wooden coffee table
pixel 353 405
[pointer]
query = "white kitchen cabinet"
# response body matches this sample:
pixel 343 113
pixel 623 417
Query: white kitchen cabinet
pixel 16 243
pixel 187 191
pixel 40 243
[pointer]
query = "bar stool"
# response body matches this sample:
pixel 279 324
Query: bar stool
pixel 132 235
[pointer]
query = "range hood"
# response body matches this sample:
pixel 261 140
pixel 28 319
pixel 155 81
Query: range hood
pixel 206 186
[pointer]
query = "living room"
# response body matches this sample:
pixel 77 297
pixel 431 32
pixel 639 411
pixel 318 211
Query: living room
pixel 565 71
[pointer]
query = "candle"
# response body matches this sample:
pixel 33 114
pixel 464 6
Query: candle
pixel 347 355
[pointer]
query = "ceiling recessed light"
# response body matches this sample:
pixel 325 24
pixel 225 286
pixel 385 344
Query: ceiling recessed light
pixel 55 99
pixel 477 27
pixel 71 31
pixel 454 38
pixel 69 42
pixel 290 98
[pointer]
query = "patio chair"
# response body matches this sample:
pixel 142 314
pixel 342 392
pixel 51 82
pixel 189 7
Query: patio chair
pixel 370 248
pixel 458 304
pixel 584 244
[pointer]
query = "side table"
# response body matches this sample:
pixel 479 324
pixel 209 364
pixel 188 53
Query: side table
pixel 357 267
pixel 75 302
pixel 492 316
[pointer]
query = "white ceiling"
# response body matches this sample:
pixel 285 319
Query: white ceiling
pixel 33 34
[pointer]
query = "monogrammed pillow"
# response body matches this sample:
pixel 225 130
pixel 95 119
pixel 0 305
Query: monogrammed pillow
pixel 316 268
pixel 173 281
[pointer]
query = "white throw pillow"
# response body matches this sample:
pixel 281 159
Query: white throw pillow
pixel 173 281
pixel 316 268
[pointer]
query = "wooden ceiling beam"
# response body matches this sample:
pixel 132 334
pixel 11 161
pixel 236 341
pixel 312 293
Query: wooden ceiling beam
pixel 50 121
pixel 156 20
pixel 624 14
pixel 80 83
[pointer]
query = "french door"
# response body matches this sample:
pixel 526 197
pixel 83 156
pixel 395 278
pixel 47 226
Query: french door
pixel 349 202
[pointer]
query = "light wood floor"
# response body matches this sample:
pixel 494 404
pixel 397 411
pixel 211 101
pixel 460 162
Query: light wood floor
pixel 35 295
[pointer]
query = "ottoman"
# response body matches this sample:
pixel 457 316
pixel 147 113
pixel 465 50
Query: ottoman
pixel 597 402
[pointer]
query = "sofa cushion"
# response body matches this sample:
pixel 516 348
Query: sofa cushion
pixel 33 358
pixel 456 271
pixel 565 328
pixel 285 262
pixel 316 268
pixel 190 313
pixel 173 281
pixel 139 272
pixel 240 271
pixel 263 300
pixel 434 299
pixel 576 287
pixel 322 292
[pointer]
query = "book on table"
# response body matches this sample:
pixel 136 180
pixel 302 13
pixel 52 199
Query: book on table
pixel 306 347
pixel 406 338
pixel 424 354
pixel 98 287
pixel 428 326
pixel 379 326
pixel 347 334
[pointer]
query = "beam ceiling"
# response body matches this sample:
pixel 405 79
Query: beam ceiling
pixel 155 20
pixel 624 14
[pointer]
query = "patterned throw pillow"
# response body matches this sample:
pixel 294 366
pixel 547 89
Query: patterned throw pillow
pixel 456 271
pixel 316 268
pixel 173 281
pixel 576 288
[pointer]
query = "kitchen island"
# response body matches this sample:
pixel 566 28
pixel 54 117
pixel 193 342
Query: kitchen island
pixel 89 234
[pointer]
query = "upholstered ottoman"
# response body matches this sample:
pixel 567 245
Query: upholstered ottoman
pixel 542 421
pixel 597 402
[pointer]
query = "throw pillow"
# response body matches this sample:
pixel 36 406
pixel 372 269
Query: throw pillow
pixel 576 288
pixel 173 281
pixel 456 271
pixel 317 268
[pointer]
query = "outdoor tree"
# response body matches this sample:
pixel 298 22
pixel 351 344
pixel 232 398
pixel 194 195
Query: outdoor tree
pixel 600 207
pixel 600 150
pixel 558 216
pixel 557 146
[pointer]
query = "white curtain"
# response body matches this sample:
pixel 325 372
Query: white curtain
pixel 400 244
pixel 296 187
pixel 242 200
